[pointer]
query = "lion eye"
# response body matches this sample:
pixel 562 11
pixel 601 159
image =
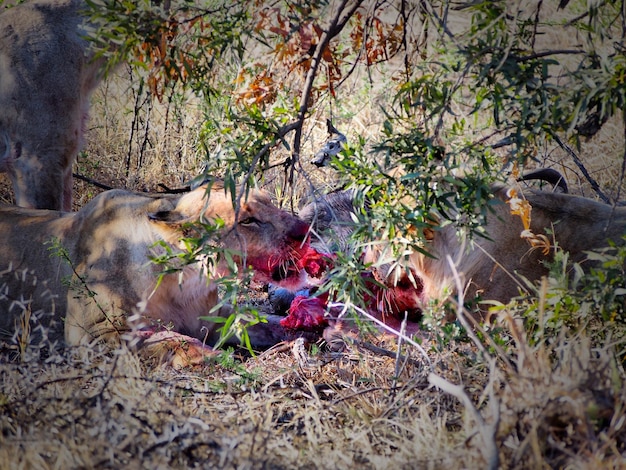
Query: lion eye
pixel 249 221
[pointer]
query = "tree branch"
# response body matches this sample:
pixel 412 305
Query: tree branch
pixel 336 25
pixel 594 184
pixel 539 55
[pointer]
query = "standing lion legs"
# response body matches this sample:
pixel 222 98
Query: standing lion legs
pixel 47 74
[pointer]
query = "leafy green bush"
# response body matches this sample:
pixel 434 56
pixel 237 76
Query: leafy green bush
pixel 466 94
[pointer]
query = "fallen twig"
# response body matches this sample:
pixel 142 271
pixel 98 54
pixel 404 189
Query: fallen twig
pixel 487 431
pixel 92 181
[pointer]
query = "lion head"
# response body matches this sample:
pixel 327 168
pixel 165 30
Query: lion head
pixel 260 236
pixel 105 274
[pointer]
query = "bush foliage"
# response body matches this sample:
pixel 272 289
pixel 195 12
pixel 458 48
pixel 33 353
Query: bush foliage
pixel 470 88
pixel 439 100
pixel 466 94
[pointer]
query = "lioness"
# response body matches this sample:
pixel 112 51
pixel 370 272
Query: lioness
pixel 46 78
pixel 490 267
pixel 108 276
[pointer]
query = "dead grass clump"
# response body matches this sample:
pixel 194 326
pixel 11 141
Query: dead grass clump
pixel 564 405
pixel 557 403
pixel 87 408
pixel 32 332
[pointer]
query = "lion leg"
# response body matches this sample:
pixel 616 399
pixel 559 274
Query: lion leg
pixel 171 348
pixel 37 187
pixel 68 185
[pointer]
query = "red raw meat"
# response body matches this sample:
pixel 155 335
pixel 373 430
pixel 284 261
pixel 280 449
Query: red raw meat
pixel 316 263
pixel 306 312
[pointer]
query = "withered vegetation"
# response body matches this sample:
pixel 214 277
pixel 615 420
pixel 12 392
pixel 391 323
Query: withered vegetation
pixel 551 399
pixel 544 387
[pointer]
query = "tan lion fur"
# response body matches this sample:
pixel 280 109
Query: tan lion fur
pixel 111 280
pixel 492 266
pixel 46 79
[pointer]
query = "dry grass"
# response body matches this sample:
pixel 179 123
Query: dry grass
pixel 559 402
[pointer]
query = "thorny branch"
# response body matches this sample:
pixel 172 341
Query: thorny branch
pixel 336 26
pixel 594 184
pixel 385 327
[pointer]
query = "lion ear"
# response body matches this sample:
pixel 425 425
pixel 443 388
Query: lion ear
pixel 170 217
pixel 330 128
pixel 169 224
